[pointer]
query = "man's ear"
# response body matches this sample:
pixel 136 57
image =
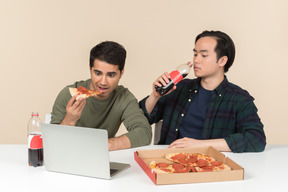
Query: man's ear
pixel 222 61
pixel 122 72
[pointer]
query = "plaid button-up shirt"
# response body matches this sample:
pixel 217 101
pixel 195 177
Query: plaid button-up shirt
pixel 231 114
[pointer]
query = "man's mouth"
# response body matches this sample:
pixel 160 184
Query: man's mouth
pixel 102 89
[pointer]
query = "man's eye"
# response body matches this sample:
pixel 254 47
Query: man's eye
pixel 195 55
pixel 112 75
pixel 97 73
pixel 204 55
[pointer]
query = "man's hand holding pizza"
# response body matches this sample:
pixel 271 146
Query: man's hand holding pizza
pixel 74 109
pixel 77 103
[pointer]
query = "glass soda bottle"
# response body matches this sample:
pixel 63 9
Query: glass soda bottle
pixel 175 77
pixel 35 145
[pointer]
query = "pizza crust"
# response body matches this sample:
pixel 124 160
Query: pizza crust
pixel 73 91
pixel 168 156
pixel 153 166
pixel 83 92
pixel 226 167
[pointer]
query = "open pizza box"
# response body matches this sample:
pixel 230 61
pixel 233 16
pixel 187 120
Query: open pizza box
pixel 144 157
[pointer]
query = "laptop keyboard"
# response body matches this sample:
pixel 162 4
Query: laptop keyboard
pixel 112 171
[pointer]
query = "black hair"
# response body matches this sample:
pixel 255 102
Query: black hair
pixel 224 47
pixel 110 52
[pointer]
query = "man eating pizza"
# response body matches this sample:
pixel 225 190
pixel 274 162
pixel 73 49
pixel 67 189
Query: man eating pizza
pixel 108 104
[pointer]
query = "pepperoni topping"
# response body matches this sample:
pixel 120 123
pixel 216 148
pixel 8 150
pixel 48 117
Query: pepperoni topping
pixel 182 161
pixel 179 156
pixel 177 166
pixel 83 90
pixel 191 169
pixel 202 163
pixel 207 169
pixel 192 159
pixel 215 163
pixel 162 165
pixel 166 170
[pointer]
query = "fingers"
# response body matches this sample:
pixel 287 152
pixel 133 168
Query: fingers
pixel 73 111
pixel 162 80
pixel 173 88
pixel 76 104
pixel 71 101
pixel 74 107
pixel 182 143
pixel 79 104
pixel 175 144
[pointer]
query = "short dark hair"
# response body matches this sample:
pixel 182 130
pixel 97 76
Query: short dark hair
pixel 110 52
pixel 224 47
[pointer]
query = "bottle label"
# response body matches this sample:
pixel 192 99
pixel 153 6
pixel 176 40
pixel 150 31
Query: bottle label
pixel 176 76
pixel 35 142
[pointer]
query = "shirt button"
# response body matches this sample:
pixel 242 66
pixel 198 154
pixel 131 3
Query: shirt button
pixel 195 91
pixel 189 100
pixel 220 95
pixel 176 129
pixel 182 114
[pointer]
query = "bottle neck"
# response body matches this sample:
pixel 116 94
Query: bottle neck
pixel 190 64
pixel 34 114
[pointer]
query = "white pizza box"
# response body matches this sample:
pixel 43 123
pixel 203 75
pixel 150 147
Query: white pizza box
pixel 144 157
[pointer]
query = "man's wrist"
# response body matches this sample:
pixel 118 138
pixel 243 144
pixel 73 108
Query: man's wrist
pixel 121 142
pixel 65 121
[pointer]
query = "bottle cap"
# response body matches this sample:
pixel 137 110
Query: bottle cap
pixel 34 114
pixel 189 64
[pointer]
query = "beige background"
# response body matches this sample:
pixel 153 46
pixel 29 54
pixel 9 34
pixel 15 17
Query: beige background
pixel 44 45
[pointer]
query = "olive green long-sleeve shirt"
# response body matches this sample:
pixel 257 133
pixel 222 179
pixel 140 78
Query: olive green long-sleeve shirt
pixel 121 106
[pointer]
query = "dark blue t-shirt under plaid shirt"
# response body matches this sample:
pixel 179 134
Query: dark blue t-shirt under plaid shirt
pixel 192 124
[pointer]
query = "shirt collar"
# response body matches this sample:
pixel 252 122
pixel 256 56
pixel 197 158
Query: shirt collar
pixel 219 90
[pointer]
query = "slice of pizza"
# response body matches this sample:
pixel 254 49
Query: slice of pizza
pixel 219 166
pixel 206 163
pixel 169 168
pixel 181 158
pixel 83 92
pixel 197 162
pixel 161 167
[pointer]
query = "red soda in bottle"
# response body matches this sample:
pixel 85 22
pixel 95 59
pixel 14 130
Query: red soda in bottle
pixel 175 77
pixel 35 145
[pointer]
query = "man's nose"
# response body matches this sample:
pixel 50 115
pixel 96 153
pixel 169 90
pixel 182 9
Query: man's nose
pixel 196 59
pixel 104 80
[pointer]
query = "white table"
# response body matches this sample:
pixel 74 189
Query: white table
pixel 266 171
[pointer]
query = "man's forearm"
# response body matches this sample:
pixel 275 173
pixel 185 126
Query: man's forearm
pixel 150 103
pixel 121 142
pixel 66 121
pixel 219 144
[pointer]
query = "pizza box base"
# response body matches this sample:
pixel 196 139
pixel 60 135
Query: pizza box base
pixel 144 157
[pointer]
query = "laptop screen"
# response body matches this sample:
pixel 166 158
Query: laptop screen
pixel 76 150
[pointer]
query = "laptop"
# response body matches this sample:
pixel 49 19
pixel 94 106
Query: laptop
pixel 78 150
